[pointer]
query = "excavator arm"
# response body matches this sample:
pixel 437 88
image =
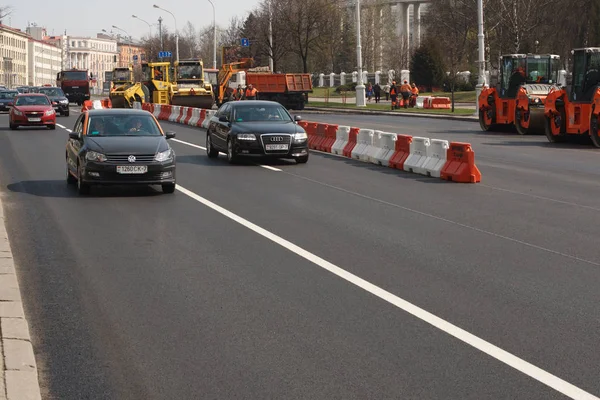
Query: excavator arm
pixel 225 74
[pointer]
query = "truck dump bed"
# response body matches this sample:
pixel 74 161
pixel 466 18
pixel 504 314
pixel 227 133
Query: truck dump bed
pixel 280 83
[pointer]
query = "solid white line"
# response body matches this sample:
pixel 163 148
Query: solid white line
pixel 269 167
pixel 189 144
pixel 204 148
pixel 61 126
pixel 507 358
pixel 68 130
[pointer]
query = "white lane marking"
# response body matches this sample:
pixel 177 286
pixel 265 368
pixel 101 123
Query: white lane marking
pixel 449 221
pixel 189 144
pixel 68 130
pixel 269 167
pixel 204 148
pixel 507 358
pixel 61 126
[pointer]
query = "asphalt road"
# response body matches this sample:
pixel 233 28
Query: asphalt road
pixel 134 294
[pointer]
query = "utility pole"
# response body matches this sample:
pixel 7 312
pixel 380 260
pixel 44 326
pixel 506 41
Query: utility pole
pixel 160 20
pixel 481 50
pixel 270 38
pixel 360 88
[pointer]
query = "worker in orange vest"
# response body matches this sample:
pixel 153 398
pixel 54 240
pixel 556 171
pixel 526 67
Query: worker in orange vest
pixel 251 92
pixel 394 95
pixel 413 96
pixel 405 91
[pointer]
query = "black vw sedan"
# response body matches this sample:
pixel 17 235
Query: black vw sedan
pixel 119 147
pixel 256 128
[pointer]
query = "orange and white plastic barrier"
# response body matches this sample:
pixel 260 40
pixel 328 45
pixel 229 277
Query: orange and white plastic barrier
pixel 342 136
pixel 352 142
pixel 401 152
pixel 460 164
pixel 385 151
pixel 418 155
pixel 96 104
pixel 440 102
pixel 364 141
pixel 436 157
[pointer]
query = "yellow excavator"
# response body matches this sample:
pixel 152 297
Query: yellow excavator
pixel 191 90
pixel 225 74
pixel 125 91
pixel 156 78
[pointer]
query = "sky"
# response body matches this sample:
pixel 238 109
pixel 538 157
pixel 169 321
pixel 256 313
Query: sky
pixel 86 18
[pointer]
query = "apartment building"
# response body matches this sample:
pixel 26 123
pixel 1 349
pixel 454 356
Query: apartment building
pixel 14 45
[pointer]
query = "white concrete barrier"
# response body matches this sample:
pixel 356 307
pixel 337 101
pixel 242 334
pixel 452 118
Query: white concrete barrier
pixel 436 157
pixel 156 112
pixel 137 105
pixel 195 117
pixel 175 110
pixel 363 142
pixel 418 155
pixel 374 148
pixel 341 140
pixel 387 148
pixel 209 115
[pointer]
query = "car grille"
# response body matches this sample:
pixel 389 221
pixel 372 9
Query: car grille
pixel 34 114
pixel 284 138
pixel 124 159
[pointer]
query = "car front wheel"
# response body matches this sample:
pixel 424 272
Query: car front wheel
pixel 82 187
pixel 302 159
pixel 168 188
pixel 210 150
pixel 231 156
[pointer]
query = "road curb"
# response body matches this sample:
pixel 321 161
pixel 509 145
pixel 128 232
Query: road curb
pixel 19 380
pixel 334 110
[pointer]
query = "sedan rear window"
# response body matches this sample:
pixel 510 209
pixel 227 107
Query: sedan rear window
pixel 260 114
pixel 32 101
pixel 7 95
pixel 56 92
pixel 123 125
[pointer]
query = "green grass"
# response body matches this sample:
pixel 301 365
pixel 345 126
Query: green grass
pixel 459 97
pixel 384 107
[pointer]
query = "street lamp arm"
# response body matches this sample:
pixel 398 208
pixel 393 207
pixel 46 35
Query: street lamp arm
pixel 214 34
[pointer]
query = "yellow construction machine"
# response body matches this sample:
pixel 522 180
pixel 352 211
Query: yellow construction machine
pixel 125 91
pixel 225 74
pixel 155 77
pixel 191 90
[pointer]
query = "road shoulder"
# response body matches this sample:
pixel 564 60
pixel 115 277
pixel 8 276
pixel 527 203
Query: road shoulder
pixel 19 380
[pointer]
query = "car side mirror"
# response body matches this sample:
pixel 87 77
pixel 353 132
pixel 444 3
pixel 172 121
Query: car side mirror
pixel 74 135
pixel 170 135
pixel 297 118
pixel 223 118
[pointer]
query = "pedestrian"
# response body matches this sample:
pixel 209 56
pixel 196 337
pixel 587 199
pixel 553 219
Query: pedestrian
pixel 251 92
pixel 405 91
pixel 386 89
pixel 377 91
pixel 369 92
pixel 394 95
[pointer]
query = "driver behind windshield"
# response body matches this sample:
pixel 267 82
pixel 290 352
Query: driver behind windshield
pixel 135 125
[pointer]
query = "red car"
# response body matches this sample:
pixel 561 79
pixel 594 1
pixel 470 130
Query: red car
pixel 32 109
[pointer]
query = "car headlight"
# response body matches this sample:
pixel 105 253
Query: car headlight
pixel 95 156
pixel 65 101
pixel 49 112
pixel 300 137
pixel 164 155
pixel 17 112
pixel 246 136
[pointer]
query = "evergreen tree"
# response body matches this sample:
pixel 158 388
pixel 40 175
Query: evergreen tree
pixel 426 66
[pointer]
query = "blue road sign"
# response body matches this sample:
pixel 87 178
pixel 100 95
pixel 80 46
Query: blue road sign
pixel 245 42
pixel 135 57
pixel 164 54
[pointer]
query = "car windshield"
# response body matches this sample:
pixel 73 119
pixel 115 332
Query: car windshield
pixel 32 101
pixel 121 75
pixel 123 125
pixel 54 92
pixel 193 71
pixel 7 95
pixel 75 76
pixel 262 113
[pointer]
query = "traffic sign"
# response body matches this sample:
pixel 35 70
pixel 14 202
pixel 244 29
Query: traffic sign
pixel 245 42
pixel 135 57
pixel 164 54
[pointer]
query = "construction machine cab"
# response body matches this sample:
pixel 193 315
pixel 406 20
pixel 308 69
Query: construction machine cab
pixel 122 76
pixel 155 76
pixel 586 74
pixel 522 69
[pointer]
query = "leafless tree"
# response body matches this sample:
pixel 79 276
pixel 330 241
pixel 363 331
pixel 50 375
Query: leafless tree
pixel 5 11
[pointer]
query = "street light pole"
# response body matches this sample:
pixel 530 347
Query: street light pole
pixel 481 51
pixel 214 35
pixel 270 38
pixel 360 88
pixel 176 31
pixel 147 23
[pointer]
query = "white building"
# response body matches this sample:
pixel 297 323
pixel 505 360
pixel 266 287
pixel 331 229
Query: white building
pixel 94 54
pixel 45 61
pixel 13 57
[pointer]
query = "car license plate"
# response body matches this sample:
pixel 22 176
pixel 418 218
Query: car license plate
pixel 34 119
pixel 132 169
pixel 276 146
pixel 75 87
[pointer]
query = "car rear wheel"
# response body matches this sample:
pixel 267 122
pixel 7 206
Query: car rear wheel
pixel 13 126
pixel 168 188
pixel 82 187
pixel 210 150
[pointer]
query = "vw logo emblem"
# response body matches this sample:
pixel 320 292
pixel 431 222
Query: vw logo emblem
pixel 276 139
pixel 131 159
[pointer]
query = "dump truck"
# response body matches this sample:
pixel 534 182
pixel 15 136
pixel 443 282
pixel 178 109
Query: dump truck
pixel 125 91
pixel 290 90
pixel 191 89
pixel 575 109
pixel 75 83
pixel 518 98
pixel 156 78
